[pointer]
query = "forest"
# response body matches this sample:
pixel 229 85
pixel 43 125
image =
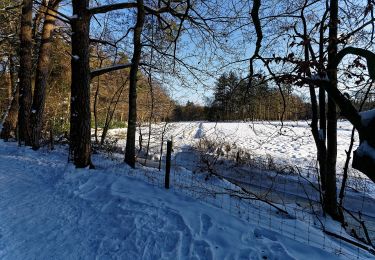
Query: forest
pixel 74 72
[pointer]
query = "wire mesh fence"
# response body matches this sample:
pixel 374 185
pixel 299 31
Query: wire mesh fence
pixel 287 204
pixel 268 193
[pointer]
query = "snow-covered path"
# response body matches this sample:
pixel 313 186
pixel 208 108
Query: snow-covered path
pixel 49 210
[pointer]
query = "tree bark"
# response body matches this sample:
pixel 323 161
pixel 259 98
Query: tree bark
pixel 132 119
pixel 330 196
pixel 38 18
pixel 25 73
pixel 96 100
pixel 363 163
pixel 10 120
pixel 322 149
pixel 80 118
pixel 10 86
pixel 318 133
pixel 42 72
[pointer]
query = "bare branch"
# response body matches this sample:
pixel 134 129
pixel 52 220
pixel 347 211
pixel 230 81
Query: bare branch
pixel 108 8
pixel 103 42
pixel 101 71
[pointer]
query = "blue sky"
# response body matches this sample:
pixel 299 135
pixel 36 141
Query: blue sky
pixel 196 51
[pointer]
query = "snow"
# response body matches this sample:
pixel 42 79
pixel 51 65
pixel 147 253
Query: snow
pixel 367 116
pixel 50 210
pixel 291 144
pixel 366 150
pixel 199 134
pixel 291 183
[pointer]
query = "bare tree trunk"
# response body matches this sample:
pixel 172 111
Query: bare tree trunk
pixel 25 73
pixel 10 122
pixel 111 111
pixel 316 132
pixel 96 98
pixel 322 149
pixel 38 18
pixel 42 72
pixel 132 119
pixel 151 113
pixel 12 77
pixel 330 198
pixel 10 85
pixel 10 117
pixel 80 118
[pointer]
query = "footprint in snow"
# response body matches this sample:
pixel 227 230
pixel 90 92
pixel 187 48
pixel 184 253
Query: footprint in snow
pixel 268 252
pixel 206 224
pixel 260 233
pixel 202 250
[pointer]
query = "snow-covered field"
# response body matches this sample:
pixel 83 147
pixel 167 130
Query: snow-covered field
pixel 290 144
pixel 290 147
pixel 49 210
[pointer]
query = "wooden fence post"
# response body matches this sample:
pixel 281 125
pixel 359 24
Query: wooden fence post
pixel 51 141
pixel 168 164
pixel 18 134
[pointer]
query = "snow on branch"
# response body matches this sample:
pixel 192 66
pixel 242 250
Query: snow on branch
pixel 364 159
pixel 103 42
pixel 364 149
pixel 367 116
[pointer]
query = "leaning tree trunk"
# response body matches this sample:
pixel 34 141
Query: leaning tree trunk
pixel 80 121
pixel 111 111
pixel 25 73
pixel 42 71
pixel 132 119
pixel 330 196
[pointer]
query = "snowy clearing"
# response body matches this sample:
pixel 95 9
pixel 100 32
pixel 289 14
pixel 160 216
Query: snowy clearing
pixel 290 144
pixel 49 210
pixel 278 166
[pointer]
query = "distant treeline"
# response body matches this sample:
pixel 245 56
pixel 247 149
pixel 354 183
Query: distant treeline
pixel 235 99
